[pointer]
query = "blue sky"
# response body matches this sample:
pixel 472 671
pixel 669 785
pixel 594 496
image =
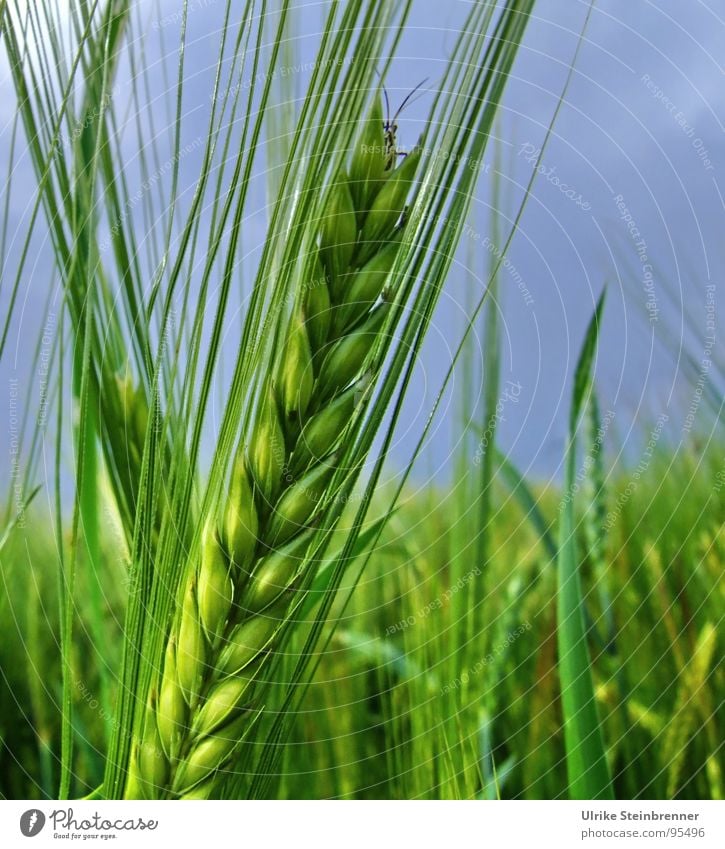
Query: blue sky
pixel 630 195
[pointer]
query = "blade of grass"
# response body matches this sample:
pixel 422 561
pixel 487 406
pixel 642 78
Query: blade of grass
pixel 529 504
pixel 586 759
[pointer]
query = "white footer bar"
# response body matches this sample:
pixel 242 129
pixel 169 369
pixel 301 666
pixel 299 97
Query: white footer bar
pixel 365 825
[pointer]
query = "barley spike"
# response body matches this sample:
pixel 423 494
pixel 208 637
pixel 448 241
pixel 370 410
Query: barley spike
pixel 255 553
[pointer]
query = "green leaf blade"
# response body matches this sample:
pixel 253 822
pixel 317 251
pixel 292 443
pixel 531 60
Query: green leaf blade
pixel 587 768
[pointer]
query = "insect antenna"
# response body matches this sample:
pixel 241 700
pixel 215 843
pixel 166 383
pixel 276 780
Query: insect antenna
pixel 387 107
pixel 408 98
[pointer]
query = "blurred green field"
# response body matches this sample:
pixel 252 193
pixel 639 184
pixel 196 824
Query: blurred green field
pixel 416 702
pixel 440 680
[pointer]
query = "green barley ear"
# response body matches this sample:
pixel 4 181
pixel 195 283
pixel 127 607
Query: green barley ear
pixel 250 639
pixel 128 420
pixel 240 521
pixel 240 596
pixel 338 233
pixel 266 455
pixel 203 790
pixel 211 753
pixel 275 574
pixel 322 432
pixel 365 287
pixel 367 168
pixel 317 305
pixel 225 701
pixel 347 358
pixel 296 378
pixel 388 206
pixel 153 764
pixel 190 656
pixel 172 709
pixel 298 503
pixel 135 788
pixel 134 411
pixel 214 586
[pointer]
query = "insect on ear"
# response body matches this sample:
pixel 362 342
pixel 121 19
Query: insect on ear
pixel 390 126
